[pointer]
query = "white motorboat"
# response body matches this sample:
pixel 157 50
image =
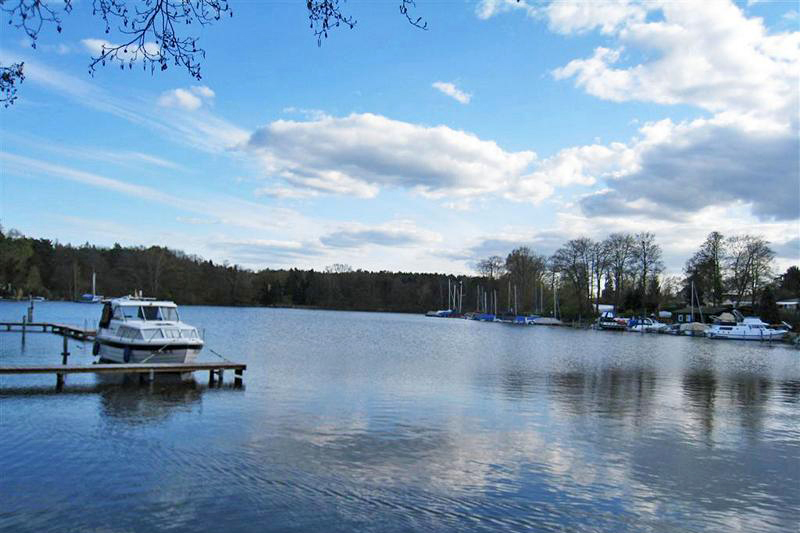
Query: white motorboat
pixel 744 328
pixel 137 330
pixel 647 325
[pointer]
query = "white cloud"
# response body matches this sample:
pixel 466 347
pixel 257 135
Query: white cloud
pixel 260 252
pixel 709 55
pixel 189 99
pixel 200 130
pixel 97 46
pixel 358 154
pixel 680 168
pixel 452 91
pixel 579 17
pixel 227 210
pixel 489 8
pixel 286 192
pixel 395 233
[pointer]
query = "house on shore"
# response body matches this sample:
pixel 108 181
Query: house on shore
pixel 688 314
pixel 792 304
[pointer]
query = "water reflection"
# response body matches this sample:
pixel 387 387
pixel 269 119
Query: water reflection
pixel 612 392
pixel 700 389
pixel 790 391
pixel 125 398
pixel 398 423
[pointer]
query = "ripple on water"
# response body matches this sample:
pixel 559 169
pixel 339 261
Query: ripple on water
pixel 376 422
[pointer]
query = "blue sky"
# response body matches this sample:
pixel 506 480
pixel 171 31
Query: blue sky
pixel 388 147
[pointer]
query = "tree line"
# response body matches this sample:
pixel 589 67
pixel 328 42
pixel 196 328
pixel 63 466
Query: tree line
pixel 625 270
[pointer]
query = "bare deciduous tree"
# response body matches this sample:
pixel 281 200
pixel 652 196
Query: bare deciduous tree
pixel 619 255
pixel 492 267
pixel 749 265
pixel 573 261
pixel 647 258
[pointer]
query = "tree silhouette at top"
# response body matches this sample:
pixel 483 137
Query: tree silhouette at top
pixel 154 33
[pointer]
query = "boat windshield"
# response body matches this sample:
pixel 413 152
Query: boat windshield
pixel 158 313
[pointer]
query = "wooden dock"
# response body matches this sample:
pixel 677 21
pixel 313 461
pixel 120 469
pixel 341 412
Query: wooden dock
pixel 74 332
pixel 145 370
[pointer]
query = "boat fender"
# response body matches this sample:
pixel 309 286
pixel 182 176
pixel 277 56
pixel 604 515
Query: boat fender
pixel 126 355
pixel 95 348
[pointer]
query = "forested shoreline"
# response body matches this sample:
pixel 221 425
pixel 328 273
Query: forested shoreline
pixel 624 270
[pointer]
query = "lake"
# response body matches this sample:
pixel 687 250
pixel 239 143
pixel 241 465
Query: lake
pixel 388 422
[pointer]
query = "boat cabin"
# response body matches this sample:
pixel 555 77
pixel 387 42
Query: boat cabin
pixel 127 309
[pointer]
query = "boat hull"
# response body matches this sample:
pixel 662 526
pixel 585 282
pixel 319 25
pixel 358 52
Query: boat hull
pixel 771 336
pixel 131 354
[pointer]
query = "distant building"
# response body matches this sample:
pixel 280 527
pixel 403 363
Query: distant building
pixel 687 314
pixel 792 304
pixel 604 308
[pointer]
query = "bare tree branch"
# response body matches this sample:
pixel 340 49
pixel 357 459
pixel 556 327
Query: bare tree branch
pixel 325 15
pixel 418 22
pixel 152 32
pixel 10 77
pixel 31 15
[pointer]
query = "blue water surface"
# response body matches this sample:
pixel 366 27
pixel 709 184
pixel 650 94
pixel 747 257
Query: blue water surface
pixel 388 422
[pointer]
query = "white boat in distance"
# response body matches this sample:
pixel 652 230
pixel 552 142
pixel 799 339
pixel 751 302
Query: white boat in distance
pixel 745 329
pixel 136 330
pixel 647 325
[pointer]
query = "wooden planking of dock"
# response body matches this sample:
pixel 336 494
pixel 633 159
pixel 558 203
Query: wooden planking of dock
pixel 144 369
pixel 74 332
pixel 215 370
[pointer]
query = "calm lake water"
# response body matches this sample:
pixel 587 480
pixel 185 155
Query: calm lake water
pixel 386 422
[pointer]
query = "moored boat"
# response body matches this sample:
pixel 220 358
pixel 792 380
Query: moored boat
pixel 743 328
pixel 136 330
pixel 609 321
pixel 647 325
pixel 693 329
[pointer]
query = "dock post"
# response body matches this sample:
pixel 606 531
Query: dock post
pixel 211 377
pixel 237 377
pixel 30 310
pixel 60 375
pixel 221 374
pixel 65 352
pixel 24 321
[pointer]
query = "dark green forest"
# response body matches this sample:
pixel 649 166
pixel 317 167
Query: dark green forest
pixel 57 271
pixel 624 270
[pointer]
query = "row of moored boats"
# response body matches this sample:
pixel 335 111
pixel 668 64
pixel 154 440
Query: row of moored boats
pixel 725 326
pixel 732 325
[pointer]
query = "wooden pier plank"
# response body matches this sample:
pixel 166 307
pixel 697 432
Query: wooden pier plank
pixel 113 368
pixel 75 332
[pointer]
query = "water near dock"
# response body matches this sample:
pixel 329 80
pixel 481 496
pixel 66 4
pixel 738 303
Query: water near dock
pixel 381 422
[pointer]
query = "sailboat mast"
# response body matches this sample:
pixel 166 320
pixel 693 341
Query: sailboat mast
pixel 449 294
pixel 515 299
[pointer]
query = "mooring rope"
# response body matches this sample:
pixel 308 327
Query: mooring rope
pixel 220 356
